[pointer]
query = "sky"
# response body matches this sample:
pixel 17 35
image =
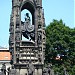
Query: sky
pixel 53 9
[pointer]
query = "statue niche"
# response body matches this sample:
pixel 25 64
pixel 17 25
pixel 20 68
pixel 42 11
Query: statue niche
pixel 27 28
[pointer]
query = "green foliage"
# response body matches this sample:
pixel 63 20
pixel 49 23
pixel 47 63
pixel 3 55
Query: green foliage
pixel 60 40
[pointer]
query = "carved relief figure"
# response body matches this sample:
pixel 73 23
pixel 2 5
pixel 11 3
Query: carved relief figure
pixel 27 28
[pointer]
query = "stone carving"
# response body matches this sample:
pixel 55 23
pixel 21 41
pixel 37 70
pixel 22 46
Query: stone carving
pixel 27 28
pixel 3 69
pixel 39 57
pixel 11 29
pixel 45 71
pixel 8 70
pixel 30 68
pixel 35 2
pixel 13 71
pixel 11 38
pixel 17 38
pixel 39 37
pixel 48 70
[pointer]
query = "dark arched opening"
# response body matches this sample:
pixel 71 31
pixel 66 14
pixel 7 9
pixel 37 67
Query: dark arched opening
pixel 29 6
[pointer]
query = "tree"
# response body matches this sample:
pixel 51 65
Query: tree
pixel 60 41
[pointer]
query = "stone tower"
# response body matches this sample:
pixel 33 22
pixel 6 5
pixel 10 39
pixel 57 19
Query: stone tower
pixel 25 51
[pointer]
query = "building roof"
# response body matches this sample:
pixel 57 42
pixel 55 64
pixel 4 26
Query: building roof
pixel 4 54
